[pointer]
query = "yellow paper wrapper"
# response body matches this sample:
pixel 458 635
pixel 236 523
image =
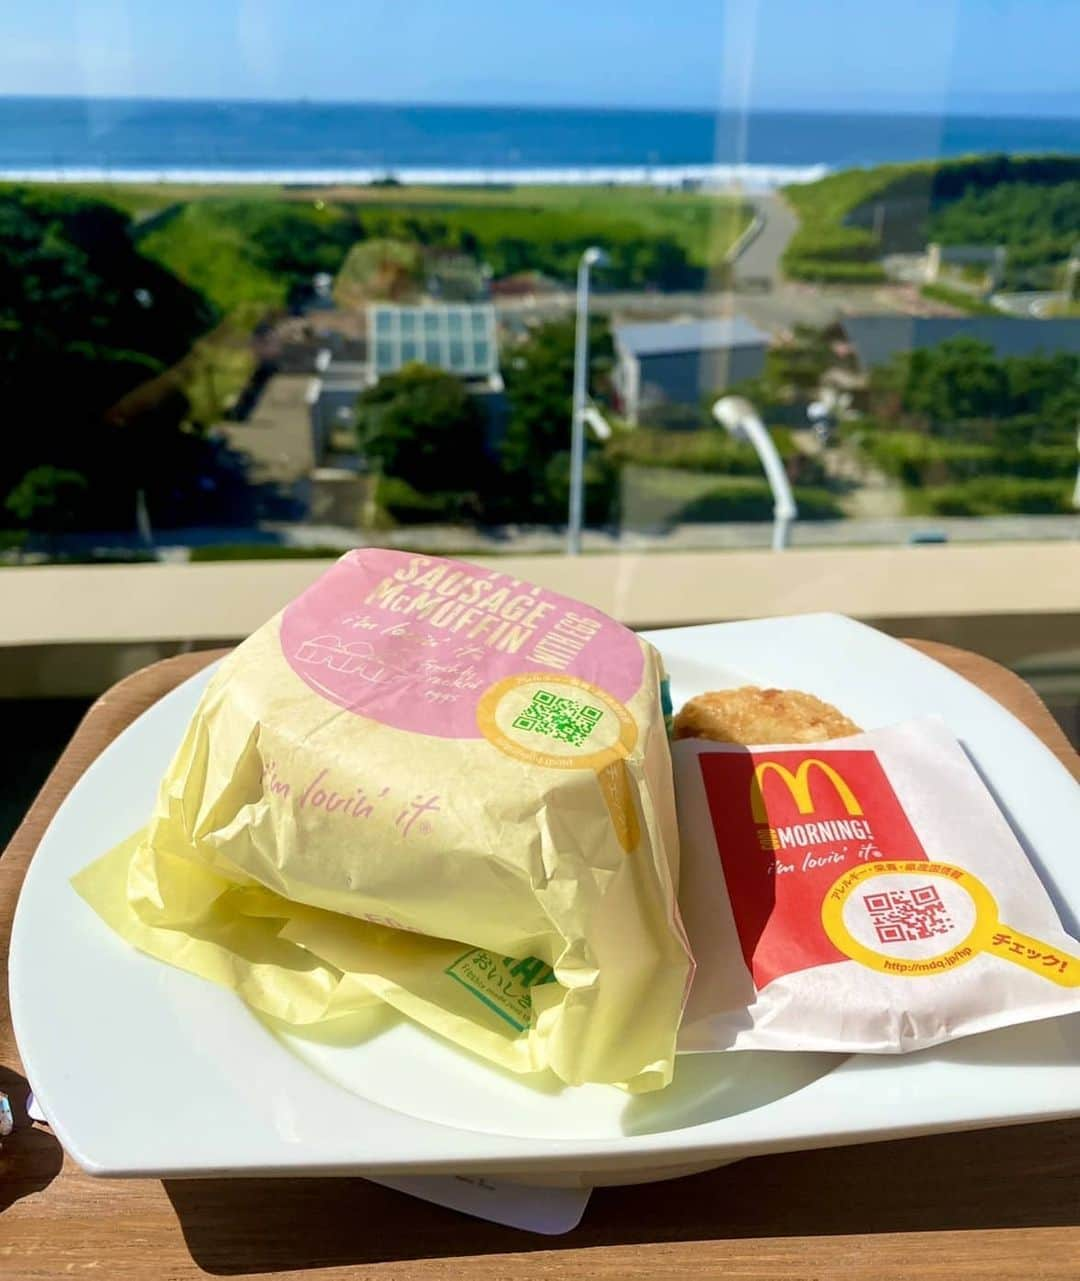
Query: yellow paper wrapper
pixel 437 786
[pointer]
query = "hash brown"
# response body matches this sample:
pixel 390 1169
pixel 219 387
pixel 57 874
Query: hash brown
pixel 754 716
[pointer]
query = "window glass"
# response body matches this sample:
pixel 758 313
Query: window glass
pixel 829 265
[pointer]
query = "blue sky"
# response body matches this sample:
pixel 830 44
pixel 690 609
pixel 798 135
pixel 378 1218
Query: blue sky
pixel 978 55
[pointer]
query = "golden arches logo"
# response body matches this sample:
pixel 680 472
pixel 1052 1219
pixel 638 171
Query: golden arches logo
pixel 798 784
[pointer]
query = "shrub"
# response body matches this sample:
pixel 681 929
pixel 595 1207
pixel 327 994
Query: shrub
pixel 918 460
pixel 405 505
pixel 825 271
pixel 994 496
pixel 423 426
pixel 663 497
pixel 705 450
pixel 959 299
pixel 600 488
pixel 48 498
pixel 834 243
pixel 379 269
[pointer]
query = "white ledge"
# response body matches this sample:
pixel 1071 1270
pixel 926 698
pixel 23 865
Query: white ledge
pixel 125 604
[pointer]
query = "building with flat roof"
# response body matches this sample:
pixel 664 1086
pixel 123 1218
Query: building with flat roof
pixel 678 362
pixel 458 338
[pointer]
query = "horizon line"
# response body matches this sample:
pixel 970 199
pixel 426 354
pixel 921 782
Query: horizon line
pixel 659 108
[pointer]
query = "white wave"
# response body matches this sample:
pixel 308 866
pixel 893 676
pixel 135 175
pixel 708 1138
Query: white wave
pixel 712 176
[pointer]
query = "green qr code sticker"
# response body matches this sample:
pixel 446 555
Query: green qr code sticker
pixel 502 983
pixel 567 720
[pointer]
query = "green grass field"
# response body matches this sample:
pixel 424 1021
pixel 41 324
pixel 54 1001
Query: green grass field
pixel 215 258
pixel 241 244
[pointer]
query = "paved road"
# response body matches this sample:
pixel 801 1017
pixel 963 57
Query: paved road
pixel 787 304
pixel 760 258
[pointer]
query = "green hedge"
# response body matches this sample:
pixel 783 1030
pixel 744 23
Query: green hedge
pixel 828 271
pixel 705 450
pixel 994 496
pixel 262 551
pixel 813 504
pixel 835 244
pixel 663 497
pixel 959 299
pixel 918 460
pixel 400 504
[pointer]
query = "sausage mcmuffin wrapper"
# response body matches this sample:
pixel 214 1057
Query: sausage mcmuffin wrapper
pixel 429 784
pixel 860 895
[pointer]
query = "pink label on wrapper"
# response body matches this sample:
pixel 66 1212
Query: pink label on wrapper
pixel 414 641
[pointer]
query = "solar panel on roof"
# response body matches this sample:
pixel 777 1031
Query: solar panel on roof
pixel 458 338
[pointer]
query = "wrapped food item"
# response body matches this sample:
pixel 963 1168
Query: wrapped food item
pixel 860 895
pixel 431 784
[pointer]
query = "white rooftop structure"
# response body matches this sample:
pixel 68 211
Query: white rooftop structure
pixel 458 338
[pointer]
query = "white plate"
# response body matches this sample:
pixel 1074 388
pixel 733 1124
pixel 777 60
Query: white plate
pixel 145 1070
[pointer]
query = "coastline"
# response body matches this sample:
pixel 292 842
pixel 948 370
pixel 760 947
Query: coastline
pixel 747 177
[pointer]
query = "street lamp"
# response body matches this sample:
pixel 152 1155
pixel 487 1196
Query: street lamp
pixel 741 421
pixel 592 257
pixel 601 428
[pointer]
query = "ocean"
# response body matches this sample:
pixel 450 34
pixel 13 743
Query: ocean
pixel 95 139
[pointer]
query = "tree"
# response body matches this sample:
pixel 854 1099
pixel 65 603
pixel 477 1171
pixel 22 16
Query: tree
pixel 961 388
pixel 379 269
pixel 793 370
pixel 540 383
pixel 423 427
pixel 960 378
pixel 47 499
pixel 85 320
